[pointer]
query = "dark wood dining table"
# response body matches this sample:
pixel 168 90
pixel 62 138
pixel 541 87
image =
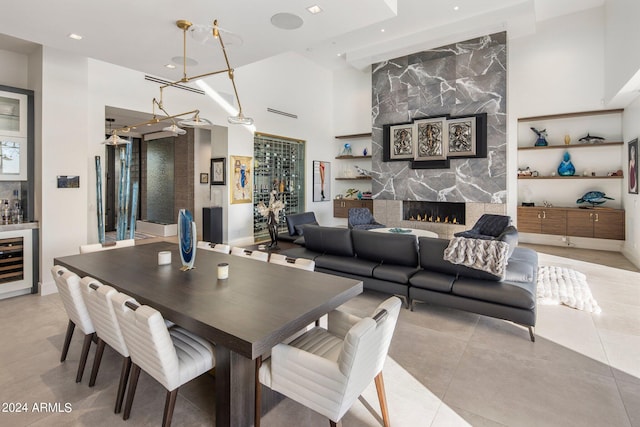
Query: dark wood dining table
pixel 258 306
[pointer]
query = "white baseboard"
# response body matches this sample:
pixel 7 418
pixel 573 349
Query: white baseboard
pixel 47 288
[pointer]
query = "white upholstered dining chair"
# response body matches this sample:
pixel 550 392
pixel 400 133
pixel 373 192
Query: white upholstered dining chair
pixel 257 255
pixel 172 357
pixel 98 300
pixel 326 370
pixel 301 263
pixel 95 247
pixel 215 247
pixel 68 285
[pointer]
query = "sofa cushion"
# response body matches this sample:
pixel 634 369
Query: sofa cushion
pixel 386 248
pixel 352 265
pixel 432 281
pixel 300 227
pixel 394 273
pixel 432 255
pixel 300 253
pixel 514 294
pixel 300 218
pixel 328 240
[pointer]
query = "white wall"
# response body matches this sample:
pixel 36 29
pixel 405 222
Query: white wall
pixel 622 58
pixel 631 130
pixel 559 69
pixel 13 69
pixel 65 130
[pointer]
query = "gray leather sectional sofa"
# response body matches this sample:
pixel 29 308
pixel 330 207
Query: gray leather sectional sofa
pixel 414 269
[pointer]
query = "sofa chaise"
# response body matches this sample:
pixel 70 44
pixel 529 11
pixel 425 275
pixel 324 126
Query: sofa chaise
pixel 415 270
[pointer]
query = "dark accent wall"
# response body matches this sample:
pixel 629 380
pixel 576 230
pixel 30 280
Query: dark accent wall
pixel 463 78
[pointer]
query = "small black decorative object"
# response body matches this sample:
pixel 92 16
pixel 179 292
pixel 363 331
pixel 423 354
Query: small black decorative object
pixel 542 137
pixel 588 139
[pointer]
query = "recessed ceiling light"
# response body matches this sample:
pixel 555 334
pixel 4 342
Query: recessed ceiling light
pixel 75 36
pixel 456 7
pixel 314 9
pixel 339 54
pixel 170 66
pixel 382 30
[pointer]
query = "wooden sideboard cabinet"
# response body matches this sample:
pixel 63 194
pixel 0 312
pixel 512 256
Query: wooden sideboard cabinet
pixel 603 223
pixel 341 206
pixel 597 223
pixel 542 220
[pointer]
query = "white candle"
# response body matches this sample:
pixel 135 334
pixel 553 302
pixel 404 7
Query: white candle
pixel 223 270
pixel 164 257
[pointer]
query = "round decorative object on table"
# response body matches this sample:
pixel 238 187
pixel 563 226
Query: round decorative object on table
pixel 187 239
pixel 399 230
pixel 566 168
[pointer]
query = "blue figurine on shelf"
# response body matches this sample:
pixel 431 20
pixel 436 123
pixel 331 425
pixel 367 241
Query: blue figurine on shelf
pixel 566 168
pixel 542 137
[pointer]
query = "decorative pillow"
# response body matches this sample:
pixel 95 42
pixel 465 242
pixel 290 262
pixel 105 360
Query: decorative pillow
pixel 300 228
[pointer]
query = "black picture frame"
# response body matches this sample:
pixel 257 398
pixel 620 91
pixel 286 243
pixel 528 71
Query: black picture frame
pixel 321 181
pixel 632 181
pixel 204 178
pixel 218 171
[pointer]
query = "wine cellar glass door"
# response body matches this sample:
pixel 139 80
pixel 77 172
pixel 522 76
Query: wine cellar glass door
pixel 279 166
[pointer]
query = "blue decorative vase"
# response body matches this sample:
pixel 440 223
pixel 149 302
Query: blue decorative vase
pixel 541 142
pixel 566 168
pixel 186 239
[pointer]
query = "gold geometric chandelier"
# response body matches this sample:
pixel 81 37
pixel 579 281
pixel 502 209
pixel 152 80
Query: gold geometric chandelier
pixel 194 120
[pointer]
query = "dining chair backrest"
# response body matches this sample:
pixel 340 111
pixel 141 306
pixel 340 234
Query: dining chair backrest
pixel 95 247
pixel 301 263
pixel 148 340
pixel 215 247
pixel 98 300
pixel 366 346
pixel 68 285
pixel 257 255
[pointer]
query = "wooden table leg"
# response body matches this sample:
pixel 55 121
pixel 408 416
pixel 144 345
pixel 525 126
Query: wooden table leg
pixel 234 388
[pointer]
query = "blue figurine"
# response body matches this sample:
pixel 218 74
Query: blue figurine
pixel 566 168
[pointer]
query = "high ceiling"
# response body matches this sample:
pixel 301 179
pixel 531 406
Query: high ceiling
pixel 142 34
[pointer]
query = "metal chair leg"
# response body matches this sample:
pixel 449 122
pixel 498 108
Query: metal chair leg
pixel 531 334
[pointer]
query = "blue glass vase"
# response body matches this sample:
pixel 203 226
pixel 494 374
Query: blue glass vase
pixel 566 168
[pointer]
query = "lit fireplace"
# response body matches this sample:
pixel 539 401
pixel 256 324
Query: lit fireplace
pixel 443 212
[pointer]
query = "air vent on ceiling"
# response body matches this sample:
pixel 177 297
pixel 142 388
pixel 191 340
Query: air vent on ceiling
pixel 282 113
pixel 166 82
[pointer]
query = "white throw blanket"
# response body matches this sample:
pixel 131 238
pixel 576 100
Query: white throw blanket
pixel 481 254
pixel 560 285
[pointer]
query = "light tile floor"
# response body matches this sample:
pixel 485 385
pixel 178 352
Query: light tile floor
pixel 445 367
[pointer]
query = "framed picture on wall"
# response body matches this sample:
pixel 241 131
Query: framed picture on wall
pixel 321 181
pixel 401 142
pixel 204 178
pixel 461 137
pixel 241 187
pixel 633 166
pixel 218 171
pixel 431 139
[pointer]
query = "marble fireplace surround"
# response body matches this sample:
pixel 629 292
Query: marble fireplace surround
pixel 389 212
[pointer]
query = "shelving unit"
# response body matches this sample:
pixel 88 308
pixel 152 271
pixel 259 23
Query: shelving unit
pixel 345 174
pixel 593 162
